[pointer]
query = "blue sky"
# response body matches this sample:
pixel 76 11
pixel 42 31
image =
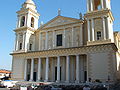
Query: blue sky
pixel 48 10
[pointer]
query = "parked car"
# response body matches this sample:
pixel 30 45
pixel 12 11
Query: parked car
pixel 8 83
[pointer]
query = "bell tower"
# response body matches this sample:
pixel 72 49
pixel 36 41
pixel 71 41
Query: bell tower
pixel 27 23
pixel 99 22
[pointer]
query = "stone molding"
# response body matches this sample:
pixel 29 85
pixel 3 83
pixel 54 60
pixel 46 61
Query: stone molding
pixel 97 13
pixel 68 51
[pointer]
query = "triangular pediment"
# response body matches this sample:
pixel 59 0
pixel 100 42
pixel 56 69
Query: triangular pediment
pixel 59 20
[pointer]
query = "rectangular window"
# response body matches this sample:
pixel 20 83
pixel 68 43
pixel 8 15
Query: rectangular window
pixel 20 46
pixel 30 47
pixel 59 40
pixel 98 35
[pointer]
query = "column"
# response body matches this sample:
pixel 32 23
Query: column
pixel 39 70
pixel 25 71
pixel 32 69
pixel 88 26
pixel 47 69
pixel 91 5
pixel 102 4
pixel 72 36
pixel 64 38
pixel 67 69
pixel 77 69
pixel 104 29
pixel 53 39
pixel 58 69
pixel 93 32
pixel 88 5
pixel 46 43
pixel 23 43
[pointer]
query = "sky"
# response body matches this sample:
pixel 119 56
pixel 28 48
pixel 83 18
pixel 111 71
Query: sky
pixel 48 10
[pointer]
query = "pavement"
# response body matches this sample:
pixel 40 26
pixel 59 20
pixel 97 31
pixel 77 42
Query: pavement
pixel 4 89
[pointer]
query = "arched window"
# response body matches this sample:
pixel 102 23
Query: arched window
pixel 97 4
pixel 22 21
pixel 98 35
pixel 32 22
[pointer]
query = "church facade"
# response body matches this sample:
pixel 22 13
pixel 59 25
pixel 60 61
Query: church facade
pixel 66 49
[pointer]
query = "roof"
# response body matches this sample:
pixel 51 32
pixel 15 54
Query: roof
pixel 5 71
pixel 59 20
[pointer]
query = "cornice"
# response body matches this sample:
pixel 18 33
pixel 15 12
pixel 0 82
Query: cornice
pixel 24 29
pixel 70 51
pixel 24 11
pixel 105 12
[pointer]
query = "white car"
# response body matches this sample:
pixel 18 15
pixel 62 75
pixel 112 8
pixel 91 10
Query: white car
pixel 8 83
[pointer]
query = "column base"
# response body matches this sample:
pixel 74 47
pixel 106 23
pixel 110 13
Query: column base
pixel 77 81
pixel 24 80
pixel 45 80
pixel 31 80
pixel 38 80
pixel 57 81
pixel 67 81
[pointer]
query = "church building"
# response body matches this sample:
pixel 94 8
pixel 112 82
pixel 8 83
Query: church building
pixel 66 49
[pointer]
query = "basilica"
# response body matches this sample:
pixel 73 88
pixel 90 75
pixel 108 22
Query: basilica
pixel 65 49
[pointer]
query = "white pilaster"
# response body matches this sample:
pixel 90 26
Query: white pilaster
pixel 77 69
pixel 17 45
pixel 39 70
pixel 91 5
pixel 102 4
pixel 104 29
pixel 58 69
pixel 64 38
pixel 25 71
pixel 88 5
pixel 72 36
pixel 93 32
pixel 53 39
pixel 15 42
pixel 47 69
pixel 81 36
pixel 67 69
pixel 46 43
pixel 23 43
pixel 40 38
pixel 88 26
pixel 32 69
pixel 108 27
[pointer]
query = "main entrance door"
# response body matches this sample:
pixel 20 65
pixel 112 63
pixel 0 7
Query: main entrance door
pixel 56 73
pixel 34 76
